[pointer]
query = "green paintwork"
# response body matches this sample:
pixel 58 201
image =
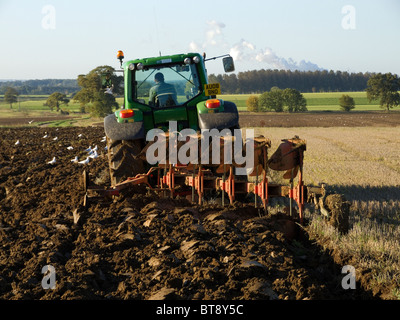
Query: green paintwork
pixel 186 114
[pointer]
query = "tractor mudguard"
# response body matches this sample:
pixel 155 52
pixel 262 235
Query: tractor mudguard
pixel 227 119
pixel 123 131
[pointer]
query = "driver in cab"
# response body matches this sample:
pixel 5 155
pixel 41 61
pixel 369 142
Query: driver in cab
pixel 162 94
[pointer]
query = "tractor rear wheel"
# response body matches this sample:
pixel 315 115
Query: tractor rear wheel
pixel 122 159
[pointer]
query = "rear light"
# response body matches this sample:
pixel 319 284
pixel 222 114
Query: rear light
pixel 126 113
pixel 213 104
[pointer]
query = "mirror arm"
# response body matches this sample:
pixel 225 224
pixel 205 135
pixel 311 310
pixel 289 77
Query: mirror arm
pixel 225 55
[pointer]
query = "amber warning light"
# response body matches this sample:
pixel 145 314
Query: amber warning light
pixel 120 56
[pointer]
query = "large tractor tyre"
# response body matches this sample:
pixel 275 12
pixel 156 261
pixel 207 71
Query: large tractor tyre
pixel 122 161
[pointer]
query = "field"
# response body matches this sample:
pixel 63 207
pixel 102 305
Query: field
pixel 328 101
pixel 364 165
pixel 145 247
pixel 33 105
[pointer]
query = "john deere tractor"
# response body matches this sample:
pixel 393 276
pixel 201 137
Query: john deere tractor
pixel 174 89
pixel 157 91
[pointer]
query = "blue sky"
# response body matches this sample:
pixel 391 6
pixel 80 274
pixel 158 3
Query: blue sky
pixel 42 39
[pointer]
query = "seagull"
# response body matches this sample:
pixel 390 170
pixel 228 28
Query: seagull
pixel 17 143
pixel 104 139
pixel 89 149
pixel 85 161
pixel 55 139
pixel 70 148
pixel 52 161
pixel 80 135
pixel 45 136
pixel 108 91
pixel 93 150
pixel 94 155
pixel 75 160
pixel 30 122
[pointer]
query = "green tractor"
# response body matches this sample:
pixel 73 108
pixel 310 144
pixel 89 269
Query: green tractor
pixel 157 91
pixel 174 89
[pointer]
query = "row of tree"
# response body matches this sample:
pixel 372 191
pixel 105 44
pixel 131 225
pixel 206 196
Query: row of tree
pixel 259 81
pixel 256 81
pixel 41 87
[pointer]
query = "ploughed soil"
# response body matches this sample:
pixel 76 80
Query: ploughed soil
pixel 140 245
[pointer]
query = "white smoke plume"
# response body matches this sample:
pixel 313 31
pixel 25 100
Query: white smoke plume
pixel 213 36
pixel 247 52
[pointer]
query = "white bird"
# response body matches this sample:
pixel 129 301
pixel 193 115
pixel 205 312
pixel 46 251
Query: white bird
pixel 80 135
pixel 52 161
pixel 108 91
pixel 75 160
pixel 55 139
pixel 89 149
pixel 86 161
pixel 104 139
pixel 93 150
pixel 70 148
pixel 30 122
pixel 94 155
pixel 17 143
pixel 45 136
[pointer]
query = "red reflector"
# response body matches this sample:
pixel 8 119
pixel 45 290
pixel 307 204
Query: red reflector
pixel 126 113
pixel 213 103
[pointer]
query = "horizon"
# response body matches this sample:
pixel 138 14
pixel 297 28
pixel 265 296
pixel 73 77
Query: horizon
pixel 335 71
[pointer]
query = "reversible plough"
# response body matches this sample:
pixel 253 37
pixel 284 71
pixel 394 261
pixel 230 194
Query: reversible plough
pixel 195 181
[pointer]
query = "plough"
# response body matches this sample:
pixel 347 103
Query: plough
pixel 195 181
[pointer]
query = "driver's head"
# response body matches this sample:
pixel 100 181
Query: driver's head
pixel 159 77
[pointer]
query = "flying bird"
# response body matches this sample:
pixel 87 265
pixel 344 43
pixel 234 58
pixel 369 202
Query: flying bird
pixel 17 143
pixel 86 161
pixel 75 160
pixel 30 122
pixel 52 162
pixel 89 149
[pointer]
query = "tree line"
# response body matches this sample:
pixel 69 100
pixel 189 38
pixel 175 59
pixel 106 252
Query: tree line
pixel 256 81
pixel 259 81
pixel 41 87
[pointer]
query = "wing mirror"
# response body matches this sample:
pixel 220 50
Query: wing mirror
pixel 229 65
